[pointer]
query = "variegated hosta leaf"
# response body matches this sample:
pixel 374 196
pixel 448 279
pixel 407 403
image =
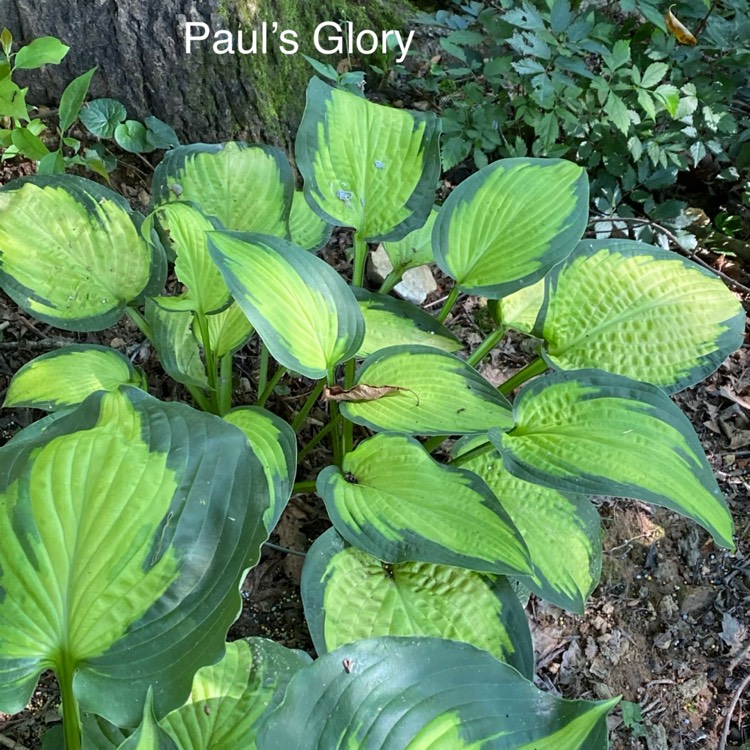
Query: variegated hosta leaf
pixel 504 227
pixel 174 340
pixel 441 394
pixel 247 188
pixel 274 442
pixel 222 711
pixel 392 499
pixel 417 693
pixel 561 530
pixel 306 229
pixel 71 253
pixel 184 228
pixel 228 698
pixel 413 250
pixel 391 322
pixel 120 522
pixel 228 330
pixel 365 165
pixel 350 595
pixel 640 311
pixel 149 735
pixel 302 309
pixel 65 377
pixel 519 310
pixel 594 432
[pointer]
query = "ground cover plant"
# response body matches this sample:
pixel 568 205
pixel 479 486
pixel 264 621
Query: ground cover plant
pixel 129 523
pixel 656 110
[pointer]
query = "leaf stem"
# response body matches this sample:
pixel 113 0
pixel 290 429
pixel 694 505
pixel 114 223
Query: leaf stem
pixel 486 346
pixel 360 256
pixel 225 384
pixel 71 712
pixel 535 367
pixel 434 442
pixel 263 371
pixel 300 487
pixel 336 439
pixel 299 420
pixel 143 326
pixel 211 364
pixel 448 305
pixel 318 437
pixel 390 281
pixel 199 398
pixel 480 450
pixel 272 383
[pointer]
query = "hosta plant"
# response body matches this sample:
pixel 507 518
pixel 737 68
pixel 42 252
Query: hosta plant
pixel 129 523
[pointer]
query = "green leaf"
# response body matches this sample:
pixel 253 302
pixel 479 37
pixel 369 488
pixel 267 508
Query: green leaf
pixel 71 252
pixel 159 134
pixel 504 227
pixel 52 163
pixel 392 500
pixel 275 443
pixel 630 308
pixel 184 229
pixel 131 135
pixel 247 188
pixel 564 572
pixel 391 322
pixel 439 394
pixel 228 698
pixel 647 103
pixel 302 309
pixel 454 150
pixel 520 310
pixel 618 112
pixel 413 250
pixel 13 100
pixel 149 735
pixel 6 41
pixel 598 433
pixel 44 50
pixel 67 376
pixel 118 563
pixel 177 346
pixel 653 74
pixel 670 96
pixel 28 144
pixel 102 116
pixel 393 693
pixel 306 229
pixel 228 330
pixel 365 165
pixel 72 98
pixel 620 54
pixel 350 595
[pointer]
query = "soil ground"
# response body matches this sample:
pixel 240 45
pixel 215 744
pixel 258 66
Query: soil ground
pixel 668 628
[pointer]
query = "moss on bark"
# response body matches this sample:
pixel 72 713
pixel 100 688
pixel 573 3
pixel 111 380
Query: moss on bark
pixel 279 80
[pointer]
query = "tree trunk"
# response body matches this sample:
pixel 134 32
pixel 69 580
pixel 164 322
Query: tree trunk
pixel 139 48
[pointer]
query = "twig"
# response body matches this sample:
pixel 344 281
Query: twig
pixel 286 550
pixel 8 742
pixel 34 345
pixel 737 659
pixel 730 711
pixel 669 235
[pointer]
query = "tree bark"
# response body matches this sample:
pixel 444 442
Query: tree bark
pixel 138 47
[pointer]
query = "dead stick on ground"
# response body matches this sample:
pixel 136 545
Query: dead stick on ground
pixel 737 659
pixel 730 711
pixel 8 742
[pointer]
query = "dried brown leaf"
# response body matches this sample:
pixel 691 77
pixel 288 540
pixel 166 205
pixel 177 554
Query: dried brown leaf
pixel 362 392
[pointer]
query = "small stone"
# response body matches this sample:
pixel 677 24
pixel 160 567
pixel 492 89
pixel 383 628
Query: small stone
pixel 416 284
pixel 117 343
